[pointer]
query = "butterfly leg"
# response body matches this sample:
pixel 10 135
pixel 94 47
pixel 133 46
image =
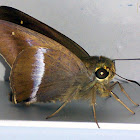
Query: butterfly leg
pixel 57 110
pixel 126 94
pixel 117 98
pixel 94 110
pixel 65 102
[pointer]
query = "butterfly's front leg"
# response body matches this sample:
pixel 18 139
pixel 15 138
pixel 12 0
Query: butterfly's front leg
pixel 122 89
pixel 108 91
pixel 119 100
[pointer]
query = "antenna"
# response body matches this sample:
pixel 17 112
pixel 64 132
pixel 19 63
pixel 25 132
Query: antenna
pixel 127 59
pixel 128 79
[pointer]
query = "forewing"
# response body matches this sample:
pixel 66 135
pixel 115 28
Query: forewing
pixel 45 74
pixel 20 18
pixel 15 38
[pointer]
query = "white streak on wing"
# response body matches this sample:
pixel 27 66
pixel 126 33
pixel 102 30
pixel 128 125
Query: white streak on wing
pixel 38 70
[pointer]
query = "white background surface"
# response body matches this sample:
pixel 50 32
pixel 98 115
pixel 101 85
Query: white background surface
pixel 101 27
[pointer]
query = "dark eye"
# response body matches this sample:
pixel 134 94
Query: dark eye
pixel 101 73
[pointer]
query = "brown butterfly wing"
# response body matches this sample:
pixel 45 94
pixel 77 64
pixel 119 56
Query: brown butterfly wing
pixel 20 18
pixel 15 38
pixel 45 74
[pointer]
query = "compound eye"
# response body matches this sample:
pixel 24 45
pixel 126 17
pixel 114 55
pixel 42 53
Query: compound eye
pixel 101 73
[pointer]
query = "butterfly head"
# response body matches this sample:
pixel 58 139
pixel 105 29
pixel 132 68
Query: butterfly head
pixel 104 69
pixel 101 67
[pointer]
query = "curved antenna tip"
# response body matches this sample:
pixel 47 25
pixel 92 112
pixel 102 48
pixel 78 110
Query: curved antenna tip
pixel 128 80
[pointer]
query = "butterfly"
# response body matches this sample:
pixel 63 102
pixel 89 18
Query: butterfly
pixel 47 66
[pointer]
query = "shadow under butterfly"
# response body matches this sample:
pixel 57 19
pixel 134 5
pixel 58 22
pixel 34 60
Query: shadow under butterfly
pixel 47 66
